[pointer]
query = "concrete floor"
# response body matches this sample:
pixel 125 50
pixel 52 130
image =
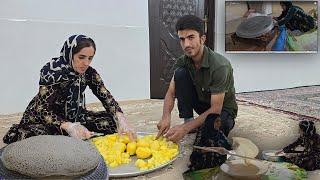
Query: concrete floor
pixel 267 128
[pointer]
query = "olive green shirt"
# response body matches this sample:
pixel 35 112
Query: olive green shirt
pixel 215 76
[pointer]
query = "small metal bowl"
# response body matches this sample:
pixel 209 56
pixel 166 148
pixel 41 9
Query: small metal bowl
pixel 269 155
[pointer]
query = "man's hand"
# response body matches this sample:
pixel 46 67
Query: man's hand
pixel 176 133
pixel 163 127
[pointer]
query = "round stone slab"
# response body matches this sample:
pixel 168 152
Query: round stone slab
pixel 254 27
pixel 43 156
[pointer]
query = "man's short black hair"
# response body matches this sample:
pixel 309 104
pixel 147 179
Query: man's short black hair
pixel 190 22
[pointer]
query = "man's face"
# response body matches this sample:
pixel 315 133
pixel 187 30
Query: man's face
pixel 191 42
pixel 83 59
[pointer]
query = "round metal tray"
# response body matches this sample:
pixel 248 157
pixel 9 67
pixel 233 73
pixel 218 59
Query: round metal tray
pixel 128 170
pixel 255 26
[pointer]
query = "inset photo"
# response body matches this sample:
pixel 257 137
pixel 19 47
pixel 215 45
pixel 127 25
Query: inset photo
pixel 271 26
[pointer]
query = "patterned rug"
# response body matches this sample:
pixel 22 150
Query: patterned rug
pixel 301 101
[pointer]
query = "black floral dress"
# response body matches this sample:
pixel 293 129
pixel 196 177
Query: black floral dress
pixel 61 98
pixel 309 158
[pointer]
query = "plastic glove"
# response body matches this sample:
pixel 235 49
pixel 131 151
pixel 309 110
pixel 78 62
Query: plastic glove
pixel 125 128
pixel 77 130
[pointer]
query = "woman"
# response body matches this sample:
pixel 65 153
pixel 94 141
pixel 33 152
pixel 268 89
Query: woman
pixel 294 18
pixel 59 107
pixel 309 158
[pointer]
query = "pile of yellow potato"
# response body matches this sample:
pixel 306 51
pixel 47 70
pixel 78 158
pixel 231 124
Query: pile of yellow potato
pixel 116 150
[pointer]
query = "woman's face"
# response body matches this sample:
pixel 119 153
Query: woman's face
pixel 284 7
pixel 83 59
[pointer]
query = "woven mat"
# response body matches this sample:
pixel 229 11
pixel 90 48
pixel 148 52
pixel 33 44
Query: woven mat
pixel 301 101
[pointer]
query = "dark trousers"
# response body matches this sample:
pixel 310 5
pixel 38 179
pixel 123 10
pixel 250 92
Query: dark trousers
pixel 188 100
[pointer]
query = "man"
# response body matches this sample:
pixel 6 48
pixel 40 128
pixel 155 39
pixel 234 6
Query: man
pixel 203 81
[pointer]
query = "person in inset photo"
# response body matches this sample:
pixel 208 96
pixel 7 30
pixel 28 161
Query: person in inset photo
pixel 294 18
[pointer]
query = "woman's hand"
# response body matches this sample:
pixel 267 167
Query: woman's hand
pixel 279 152
pixel 76 130
pixel 125 127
